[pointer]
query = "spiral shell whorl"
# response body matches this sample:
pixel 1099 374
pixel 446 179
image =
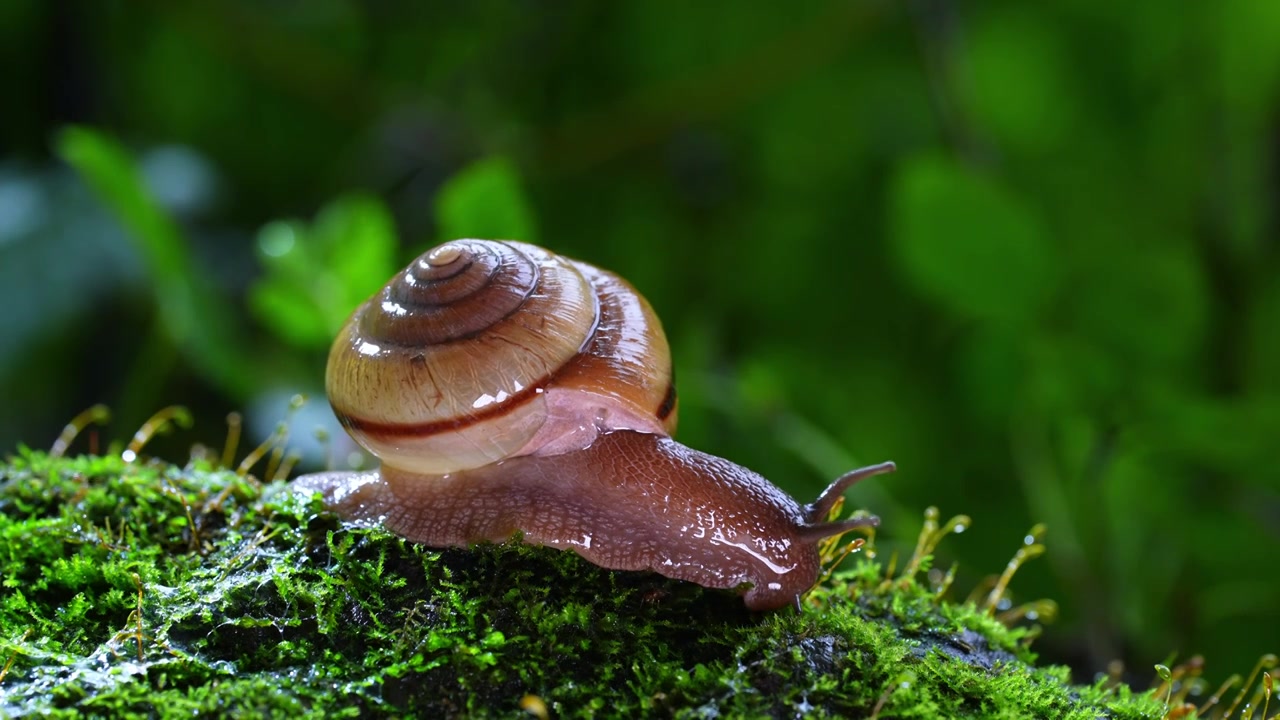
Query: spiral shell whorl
pixel 451 293
pixel 444 369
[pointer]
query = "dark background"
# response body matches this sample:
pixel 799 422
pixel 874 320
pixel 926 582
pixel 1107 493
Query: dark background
pixel 1026 250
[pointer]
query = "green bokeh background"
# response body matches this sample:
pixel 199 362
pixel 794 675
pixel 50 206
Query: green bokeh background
pixel 1026 250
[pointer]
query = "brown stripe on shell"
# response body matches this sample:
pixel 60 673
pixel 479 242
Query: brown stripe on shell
pixel 384 430
pixel 668 400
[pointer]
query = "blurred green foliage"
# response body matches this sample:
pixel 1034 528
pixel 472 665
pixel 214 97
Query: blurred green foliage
pixel 314 275
pixel 190 316
pixel 1028 251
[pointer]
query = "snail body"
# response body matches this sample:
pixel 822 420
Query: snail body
pixel 509 390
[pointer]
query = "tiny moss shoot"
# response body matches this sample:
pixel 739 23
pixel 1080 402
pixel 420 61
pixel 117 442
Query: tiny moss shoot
pixel 137 587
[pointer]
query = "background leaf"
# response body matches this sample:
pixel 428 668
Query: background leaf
pixel 485 201
pixel 318 273
pixel 969 243
pixel 194 321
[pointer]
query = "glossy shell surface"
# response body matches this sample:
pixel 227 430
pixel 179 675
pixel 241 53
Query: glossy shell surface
pixel 482 350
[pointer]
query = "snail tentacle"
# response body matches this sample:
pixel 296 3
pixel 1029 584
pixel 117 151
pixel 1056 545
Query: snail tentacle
pixel 818 510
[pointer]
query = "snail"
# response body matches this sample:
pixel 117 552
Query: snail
pixel 507 390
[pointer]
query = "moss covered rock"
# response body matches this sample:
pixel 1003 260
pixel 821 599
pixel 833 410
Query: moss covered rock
pixel 156 590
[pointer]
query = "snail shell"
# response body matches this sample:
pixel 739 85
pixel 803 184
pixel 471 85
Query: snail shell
pixel 483 350
pixel 509 390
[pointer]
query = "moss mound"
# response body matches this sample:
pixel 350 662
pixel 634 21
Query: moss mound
pixel 154 590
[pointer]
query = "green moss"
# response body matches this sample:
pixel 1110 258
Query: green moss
pixel 151 589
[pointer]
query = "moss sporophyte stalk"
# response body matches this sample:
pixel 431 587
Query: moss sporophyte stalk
pixel 139 587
